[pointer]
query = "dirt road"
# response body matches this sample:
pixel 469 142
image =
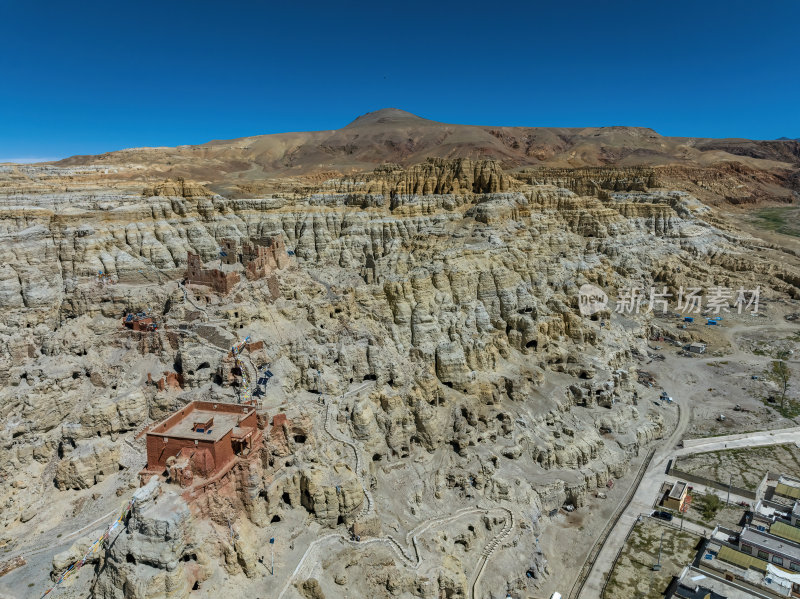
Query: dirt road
pixel 678 380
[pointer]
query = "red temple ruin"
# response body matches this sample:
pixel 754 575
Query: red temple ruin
pixel 218 280
pixel 170 380
pixel 260 257
pixel 203 439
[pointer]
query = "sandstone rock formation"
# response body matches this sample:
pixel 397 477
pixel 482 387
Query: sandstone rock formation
pixel 429 368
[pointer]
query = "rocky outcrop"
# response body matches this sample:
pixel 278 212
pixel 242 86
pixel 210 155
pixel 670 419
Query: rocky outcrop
pixel 85 463
pixel 592 181
pixel 434 177
pixel 179 188
pixel 155 556
pixel 425 350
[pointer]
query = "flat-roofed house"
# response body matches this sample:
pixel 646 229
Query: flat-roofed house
pixel 675 498
pixel 208 436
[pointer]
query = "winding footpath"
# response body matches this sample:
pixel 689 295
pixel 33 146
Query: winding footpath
pixel 409 551
pixel 489 550
pixel 641 493
pixel 330 414
pixel 189 299
pixel 645 490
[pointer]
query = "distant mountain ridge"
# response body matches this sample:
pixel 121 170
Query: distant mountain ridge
pixel 395 136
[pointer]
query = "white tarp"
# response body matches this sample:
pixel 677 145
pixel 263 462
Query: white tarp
pixel 780 576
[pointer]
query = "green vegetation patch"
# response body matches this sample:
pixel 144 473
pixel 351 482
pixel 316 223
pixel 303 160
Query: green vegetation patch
pixel 633 575
pixel 706 511
pixel 790 408
pixel 781 219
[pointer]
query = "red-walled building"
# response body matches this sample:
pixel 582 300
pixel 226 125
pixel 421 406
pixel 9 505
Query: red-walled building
pixel 219 281
pixel 209 435
pixel 260 257
pixel 139 322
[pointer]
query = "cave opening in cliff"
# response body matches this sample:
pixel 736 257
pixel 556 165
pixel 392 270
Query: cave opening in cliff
pixel 305 499
pixel 275 518
pixel 370 377
pixel 300 438
pixel 286 499
pixel 532 344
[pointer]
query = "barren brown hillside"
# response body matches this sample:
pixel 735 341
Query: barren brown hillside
pixel 754 170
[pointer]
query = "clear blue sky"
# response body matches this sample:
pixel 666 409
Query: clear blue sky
pixel 87 77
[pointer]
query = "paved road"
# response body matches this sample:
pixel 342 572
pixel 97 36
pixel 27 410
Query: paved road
pixel 650 484
pixel 776 437
pixel 656 473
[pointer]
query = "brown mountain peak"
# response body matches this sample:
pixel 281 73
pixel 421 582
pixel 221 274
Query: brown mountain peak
pixel 387 116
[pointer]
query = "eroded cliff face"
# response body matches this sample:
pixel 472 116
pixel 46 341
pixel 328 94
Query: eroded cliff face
pixel 433 309
pixel 729 182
